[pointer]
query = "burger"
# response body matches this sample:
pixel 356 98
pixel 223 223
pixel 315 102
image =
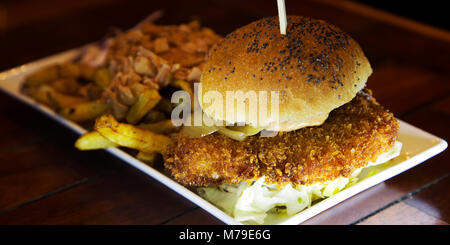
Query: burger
pixel 328 128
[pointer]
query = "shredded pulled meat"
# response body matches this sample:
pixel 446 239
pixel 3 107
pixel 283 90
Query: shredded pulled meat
pixel 150 55
pixel 353 135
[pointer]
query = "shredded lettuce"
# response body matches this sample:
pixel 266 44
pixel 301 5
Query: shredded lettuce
pixel 253 202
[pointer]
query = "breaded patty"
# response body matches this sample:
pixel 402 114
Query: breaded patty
pixel 352 136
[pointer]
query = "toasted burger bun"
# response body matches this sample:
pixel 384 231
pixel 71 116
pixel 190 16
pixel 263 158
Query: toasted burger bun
pixel 315 67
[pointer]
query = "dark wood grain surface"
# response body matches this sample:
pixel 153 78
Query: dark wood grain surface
pixel 45 180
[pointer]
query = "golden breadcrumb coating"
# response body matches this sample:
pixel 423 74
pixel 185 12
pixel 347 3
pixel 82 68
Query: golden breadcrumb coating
pixel 352 136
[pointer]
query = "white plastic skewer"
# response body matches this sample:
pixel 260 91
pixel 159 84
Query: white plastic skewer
pixel 282 16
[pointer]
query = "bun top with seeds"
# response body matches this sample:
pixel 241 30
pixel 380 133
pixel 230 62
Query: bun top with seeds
pixel 315 68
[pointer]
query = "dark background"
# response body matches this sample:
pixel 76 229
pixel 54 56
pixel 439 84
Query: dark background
pixel 32 29
pixel 432 12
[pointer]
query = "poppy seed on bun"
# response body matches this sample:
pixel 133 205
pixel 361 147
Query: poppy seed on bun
pixel 315 67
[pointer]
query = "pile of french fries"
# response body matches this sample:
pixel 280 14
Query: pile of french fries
pixel 121 96
pixel 111 133
pixel 74 91
pixel 61 87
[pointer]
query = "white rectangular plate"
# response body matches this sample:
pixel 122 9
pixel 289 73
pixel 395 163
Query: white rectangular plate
pixel 418 146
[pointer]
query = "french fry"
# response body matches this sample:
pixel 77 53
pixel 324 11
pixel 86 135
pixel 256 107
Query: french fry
pixel 149 158
pixel 85 112
pixel 93 141
pixel 40 94
pixel 59 100
pixel 131 136
pixel 165 105
pixel 87 72
pixel 90 91
pixel 162 127
pixel 181 84
pixel 49 96
pixel 102 77
pixel 145 102
pixel 154 116
pixel 53 72
pixel 66 85
pixel 42 76
pixel 69 70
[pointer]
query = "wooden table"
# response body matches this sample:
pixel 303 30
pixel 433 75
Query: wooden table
pixel 45 180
